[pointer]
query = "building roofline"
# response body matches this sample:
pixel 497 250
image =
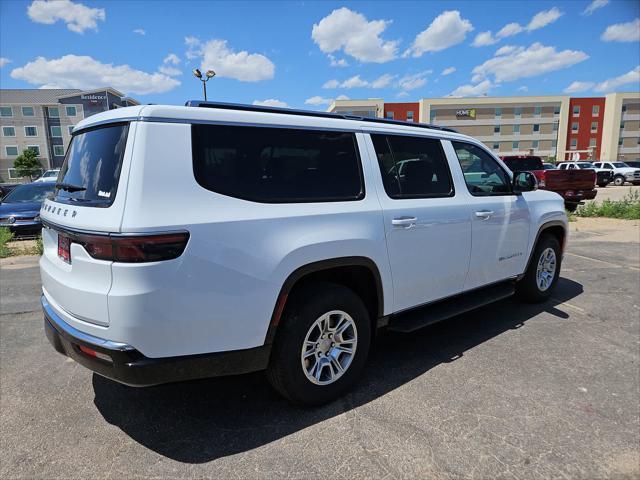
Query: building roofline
pixel 117 93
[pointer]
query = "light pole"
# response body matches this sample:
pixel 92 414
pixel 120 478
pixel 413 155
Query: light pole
pixel 207 76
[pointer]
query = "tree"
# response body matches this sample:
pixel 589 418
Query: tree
pixel 27 164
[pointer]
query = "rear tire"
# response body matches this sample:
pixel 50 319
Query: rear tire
pixel 571 207
pixel 541 276
pixel 602 185
pixel 310 367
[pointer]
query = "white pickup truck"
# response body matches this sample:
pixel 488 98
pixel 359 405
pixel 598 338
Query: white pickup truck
pixel 621 172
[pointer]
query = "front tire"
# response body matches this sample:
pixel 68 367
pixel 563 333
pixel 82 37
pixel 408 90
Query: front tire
pixel 618 181
pixel 541 276
pixel 322 344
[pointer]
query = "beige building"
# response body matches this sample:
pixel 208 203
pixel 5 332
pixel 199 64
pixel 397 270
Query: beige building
pixel 621 127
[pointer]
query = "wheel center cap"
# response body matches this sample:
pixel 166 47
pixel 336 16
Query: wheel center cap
pixel 324 345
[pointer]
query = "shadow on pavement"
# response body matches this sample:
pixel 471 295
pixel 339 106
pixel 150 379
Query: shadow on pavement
pixel 200 421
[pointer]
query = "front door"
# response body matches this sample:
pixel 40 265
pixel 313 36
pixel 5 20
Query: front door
pixel 426 223
pixel 500 219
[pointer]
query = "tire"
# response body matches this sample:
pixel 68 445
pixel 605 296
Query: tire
pixel 572 207
pixel 286 370
pixel 604 184
pixel 618 181
pixel 528 288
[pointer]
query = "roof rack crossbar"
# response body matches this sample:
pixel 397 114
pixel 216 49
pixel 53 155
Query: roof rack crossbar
pixel 308 113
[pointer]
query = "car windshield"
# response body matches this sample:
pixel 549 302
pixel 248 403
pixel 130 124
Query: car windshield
pixel 620 165
pixel 548 166
pixel 52 173
pixel 30 192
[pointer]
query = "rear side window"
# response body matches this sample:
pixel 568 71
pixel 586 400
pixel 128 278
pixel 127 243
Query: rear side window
pixel 413 167
pixel 91 169
pixel 277 165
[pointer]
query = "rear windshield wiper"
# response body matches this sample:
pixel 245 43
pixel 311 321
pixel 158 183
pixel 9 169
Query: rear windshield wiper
pixel 70 187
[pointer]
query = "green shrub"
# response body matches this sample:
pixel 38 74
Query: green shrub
pixel 39 246
pixel 5 237
pixel 628 208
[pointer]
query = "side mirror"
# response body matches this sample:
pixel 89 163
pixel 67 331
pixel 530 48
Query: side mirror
pixel 524 182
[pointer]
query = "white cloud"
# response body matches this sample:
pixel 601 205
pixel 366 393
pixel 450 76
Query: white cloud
pixel 270 102
pixel 411 82
pixel 521 62
pixel 169 70
pixel 140 31
pixel 506 50
pixel 623 32
pixel 483 39
pixel 342 97
pixel 523 88
pixel 579 87
pixel 318 100
pixel 509 30
pixel 172 59
pixel 544 18
pixel 632 77
pixel 446 30
pixel 480 89
pixel 243 66
pixel 84 72
pixel 337 62
pixel 351 32
pixel 448 71
pixel 78 17
pixel 595 5
pixel 402 94
pixel 4 61
pixel 357 82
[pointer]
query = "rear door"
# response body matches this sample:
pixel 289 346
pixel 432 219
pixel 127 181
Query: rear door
pixel 500 219
pixel 427 227
pixel 89 198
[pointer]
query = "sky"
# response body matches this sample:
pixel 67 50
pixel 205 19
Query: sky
pixel 304 54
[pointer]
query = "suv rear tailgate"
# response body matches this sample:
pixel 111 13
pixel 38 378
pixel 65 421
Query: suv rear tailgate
pixel 89 198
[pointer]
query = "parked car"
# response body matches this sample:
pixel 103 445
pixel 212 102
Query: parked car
pixel 20 209
pixel 633 164
pixel 49 176
pixel 603 176
pixel 5 188
pixel 548 166
pixel 574 186
pixel 294 238
pixel 621 172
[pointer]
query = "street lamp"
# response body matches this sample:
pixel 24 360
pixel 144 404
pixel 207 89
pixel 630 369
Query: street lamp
pixel 207 76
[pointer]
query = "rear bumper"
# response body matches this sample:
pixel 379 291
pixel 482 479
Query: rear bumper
pixel 130 367
pixel 579 196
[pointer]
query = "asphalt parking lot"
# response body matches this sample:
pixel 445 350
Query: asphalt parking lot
pixel 509 391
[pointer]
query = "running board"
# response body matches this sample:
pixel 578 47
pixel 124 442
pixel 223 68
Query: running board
pixel 420 317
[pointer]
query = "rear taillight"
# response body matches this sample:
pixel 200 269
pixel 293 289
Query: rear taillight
pixel 64 250
pixel 542 182
pixel 132 248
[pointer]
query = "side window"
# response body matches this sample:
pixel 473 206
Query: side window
pixel 277 165
pixel 563 166
pixel 413 167
pixel 483 175
pixel 608 166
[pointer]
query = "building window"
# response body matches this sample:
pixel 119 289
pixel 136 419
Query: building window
pixel 498 112
pixel 410 116
pixel 620 140
pixel 54 112
pixel 574 143
pixel 576 110
pixel 8 131
pixel 516 129
pixel 624 108
pixel 592 142
pixel 432 116
pixel 58 150
pixel 537 111
pixel 622 125
pixel 536 127
pixel 556 110
pixel 594 127
pixel 535 144
pixel 6 112
pixel 496 146
pixel 11 151
pixel 28 112
pixel 517 112
pixel 34 148
pixel 595 111
pixel 574 127
pixel 390 115
pixel 70 127
pixel 30 131
pixel 71 111
pixel 555 126
pixel 496 129
pixel 554 143
pixel 515 146
pixel 56 131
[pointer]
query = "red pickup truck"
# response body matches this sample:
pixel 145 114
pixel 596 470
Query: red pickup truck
pixel 572 185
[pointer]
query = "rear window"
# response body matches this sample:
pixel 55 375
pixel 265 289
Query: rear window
pixel 277 165
pixel 91 169
pixel 523 163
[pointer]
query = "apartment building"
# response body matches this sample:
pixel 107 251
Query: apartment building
pixel 42 120
pixel 557 126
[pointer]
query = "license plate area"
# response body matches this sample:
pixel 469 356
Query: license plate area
pixel 64 248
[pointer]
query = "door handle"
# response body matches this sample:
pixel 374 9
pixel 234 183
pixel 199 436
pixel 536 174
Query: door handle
pixel 405 222
pixel 484 214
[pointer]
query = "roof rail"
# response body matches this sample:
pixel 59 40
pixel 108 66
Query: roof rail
pixel 309 113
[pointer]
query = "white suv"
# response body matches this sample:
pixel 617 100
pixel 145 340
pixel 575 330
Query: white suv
pixel 215 239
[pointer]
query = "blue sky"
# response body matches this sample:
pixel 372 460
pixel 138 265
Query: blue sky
pixel 303 54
